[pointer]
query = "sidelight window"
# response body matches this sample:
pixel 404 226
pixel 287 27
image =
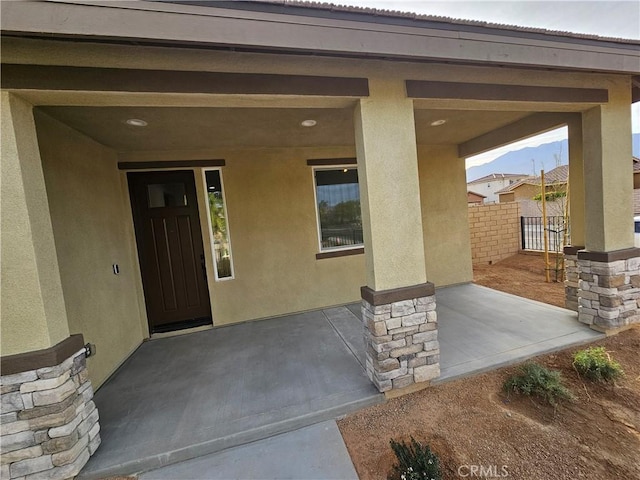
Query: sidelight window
pixel 218 225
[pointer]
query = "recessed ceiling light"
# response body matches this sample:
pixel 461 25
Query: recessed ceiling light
pixel 437 123
pixel 136 122
pixel 308 123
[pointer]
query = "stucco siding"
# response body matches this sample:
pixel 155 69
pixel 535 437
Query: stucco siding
pixel 92 230
pixel 443 193
pixel 274 238
pixel 33 313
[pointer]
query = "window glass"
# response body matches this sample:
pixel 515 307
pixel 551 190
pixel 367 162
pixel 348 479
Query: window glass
pixel 219 227
pixel 338 204
pixel 167 195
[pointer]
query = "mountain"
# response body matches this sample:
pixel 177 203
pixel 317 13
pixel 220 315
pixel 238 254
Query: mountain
pixel 520 161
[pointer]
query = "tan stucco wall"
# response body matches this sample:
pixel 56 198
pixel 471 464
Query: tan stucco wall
pixel 507 197
pixel 443 193
pixel 526 192
pixel 576 183
pixel 274 238
pixel 92 231
pixel 608 172
pixel 390 192
pixel 32 310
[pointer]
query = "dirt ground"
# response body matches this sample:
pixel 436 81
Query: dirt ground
pixel 521 275
pixel 471 422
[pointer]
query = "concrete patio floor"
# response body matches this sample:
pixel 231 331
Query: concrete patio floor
pixel 192 395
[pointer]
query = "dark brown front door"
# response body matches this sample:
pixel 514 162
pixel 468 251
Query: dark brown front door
pixel 165 215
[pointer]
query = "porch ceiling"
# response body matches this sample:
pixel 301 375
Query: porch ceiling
pixel 191 128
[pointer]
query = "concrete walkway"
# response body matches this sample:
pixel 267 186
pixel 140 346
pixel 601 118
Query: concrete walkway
pixel 183 397
pixel 481 329
pixel 311 453
pixel 194 395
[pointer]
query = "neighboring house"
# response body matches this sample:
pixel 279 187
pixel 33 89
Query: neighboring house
pixel 474 198
pixel 524 191
pixel 636 172
pixel 173 164
pixel 489 185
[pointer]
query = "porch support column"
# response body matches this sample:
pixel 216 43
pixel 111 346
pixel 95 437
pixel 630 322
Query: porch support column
pixel 49 421
pixel 609 267
pixel 33 311
pixel 398 304
pixel 576 213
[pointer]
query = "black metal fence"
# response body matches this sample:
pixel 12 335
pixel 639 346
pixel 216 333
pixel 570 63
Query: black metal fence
pixel 532 233
pixel 339 237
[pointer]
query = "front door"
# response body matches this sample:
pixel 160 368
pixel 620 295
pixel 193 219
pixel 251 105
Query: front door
pixel 167 225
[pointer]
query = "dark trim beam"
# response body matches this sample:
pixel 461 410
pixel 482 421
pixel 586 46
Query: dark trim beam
pixel 384 297
pixel 322 162
pixel 170 164
pixel 526 127
pixel 340 253
pixel 572 250
pixel 49 77
pixel 608 257
pixel 47 357
pixel 507 93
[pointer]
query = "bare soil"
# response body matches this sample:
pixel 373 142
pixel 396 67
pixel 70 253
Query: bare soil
pixel 471 422
pixel 522 275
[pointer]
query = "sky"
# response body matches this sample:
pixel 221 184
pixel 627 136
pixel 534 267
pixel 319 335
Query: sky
pixel 605 18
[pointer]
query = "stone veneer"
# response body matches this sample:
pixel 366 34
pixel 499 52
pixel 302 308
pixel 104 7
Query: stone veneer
pixel 609 289
pixel 401 340
pixel 572 277
pixel 49 421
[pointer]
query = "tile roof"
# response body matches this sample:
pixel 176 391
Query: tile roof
pixel 493 176
pixel 557 175
pixel 469 192
pixel 433 18
pixel 529 181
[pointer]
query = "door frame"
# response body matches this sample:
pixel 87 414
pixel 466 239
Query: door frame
pixel 130 204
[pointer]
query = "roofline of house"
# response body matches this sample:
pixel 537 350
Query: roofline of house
pixel 494 176
pixel 476 194
pixel 397 17
pixel 278 27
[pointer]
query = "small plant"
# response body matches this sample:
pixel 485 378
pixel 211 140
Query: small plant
pixel 534 379
pixel 596 364
pixel 415 462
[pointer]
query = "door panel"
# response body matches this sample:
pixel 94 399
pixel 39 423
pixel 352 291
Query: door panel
pixel 167 224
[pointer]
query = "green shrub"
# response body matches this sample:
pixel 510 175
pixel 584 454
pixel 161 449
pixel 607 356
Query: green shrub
pixel 596 364
pixel 534 379
pixel 415 461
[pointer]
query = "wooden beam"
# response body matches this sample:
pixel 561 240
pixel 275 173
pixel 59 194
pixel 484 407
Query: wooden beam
pixel 170 164
pixel 50 77
pixel 518 130
pixel 509 93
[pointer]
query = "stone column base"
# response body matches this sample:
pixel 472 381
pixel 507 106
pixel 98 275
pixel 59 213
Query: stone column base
pixel 401 336
pixel 49 421
pixel 609 288
pixel 571 277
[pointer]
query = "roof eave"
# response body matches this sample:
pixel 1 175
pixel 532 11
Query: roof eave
pixel 148 22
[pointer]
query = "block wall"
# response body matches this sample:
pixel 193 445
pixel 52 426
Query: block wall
pixel 495 231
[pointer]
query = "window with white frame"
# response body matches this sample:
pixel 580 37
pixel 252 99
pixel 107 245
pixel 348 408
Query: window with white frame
pixel 338 208
pixel 218 224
